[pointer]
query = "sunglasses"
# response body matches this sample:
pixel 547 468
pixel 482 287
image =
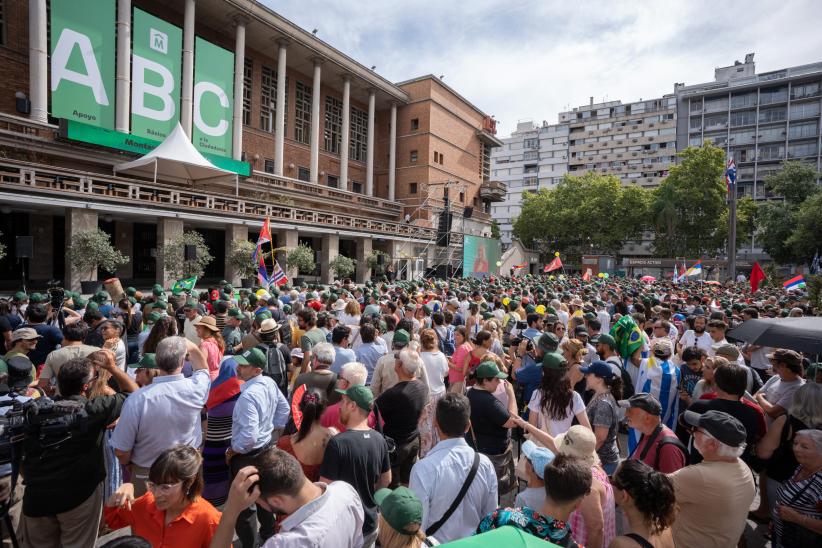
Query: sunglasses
pixel 163 488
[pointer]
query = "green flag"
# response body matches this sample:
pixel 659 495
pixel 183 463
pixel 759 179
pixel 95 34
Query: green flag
pixel 186 285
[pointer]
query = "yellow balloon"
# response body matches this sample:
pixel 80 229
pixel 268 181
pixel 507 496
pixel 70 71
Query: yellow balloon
pixel 556 253
pixel 600 275
pixel 540 309
pixel 505 301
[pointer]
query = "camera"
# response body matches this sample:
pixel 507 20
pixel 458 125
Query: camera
pixel 522 324
pixel 515 342
pixel 57 295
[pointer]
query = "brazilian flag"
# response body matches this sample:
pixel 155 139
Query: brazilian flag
pixel 627 335
pixel 184 286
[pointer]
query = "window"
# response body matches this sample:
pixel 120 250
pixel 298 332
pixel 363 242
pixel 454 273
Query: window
pixel 356 186
pixel 357 149
pixel 744 118
pixel 248 81
pixel 773 133
pixel 436 157
pixel 802 149
pixel 696 105
pixel 414 155
pixel 805 110
pixel 333 124
pixel 268 166
pixel 442 158
pixel 800 131
pixel 801 91
pixel 530 155
pixel 333 181
pixel 462 197
pixel 743 100
pixel 302 114
pixel 415 124
pixel 716 121
pixel 530 143
pixel 268 98
pixel 303 174
pixel 530 168
pixel 771 152
pixel 412 188
pixel 773 95
pixel 716 104
pixel 772 115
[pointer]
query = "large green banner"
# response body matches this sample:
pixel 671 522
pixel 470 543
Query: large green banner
pixel 213 98
pixel 479 256
pixel 82 61
pixel 155 80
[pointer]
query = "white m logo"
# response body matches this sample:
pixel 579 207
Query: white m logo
pixel 158 41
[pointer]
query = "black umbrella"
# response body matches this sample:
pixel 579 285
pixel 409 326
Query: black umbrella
pixel 800 334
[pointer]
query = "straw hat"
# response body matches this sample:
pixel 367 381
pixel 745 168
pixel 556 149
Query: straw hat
pixel 208 322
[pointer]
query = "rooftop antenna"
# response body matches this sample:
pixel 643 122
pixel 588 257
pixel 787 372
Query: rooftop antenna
pixel 314 32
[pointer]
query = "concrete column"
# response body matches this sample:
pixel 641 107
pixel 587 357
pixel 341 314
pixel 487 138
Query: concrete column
pixel 392 153
pixel 330 250
pixel 346 132
pixel 167 229
pixel 124 242
pixel 239 68
pixel 232 234
pixel 315 121
pixel 364 246
pixel 38 61
pixel 279 115
pixel 41 265
pixel 188 69
pixel 369 166
pixel 288 239
pixel 78 220
pixel 123 89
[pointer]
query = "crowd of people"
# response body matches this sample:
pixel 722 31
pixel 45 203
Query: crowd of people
pixel 602 413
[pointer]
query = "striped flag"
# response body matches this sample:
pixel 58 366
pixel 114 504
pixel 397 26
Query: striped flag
pixel 795 283
pixel 730 176
pixel 262 274
pixel 278 276
pixel 695 270
pixel 263 238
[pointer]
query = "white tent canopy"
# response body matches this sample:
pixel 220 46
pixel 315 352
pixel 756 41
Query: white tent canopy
pixel 174 159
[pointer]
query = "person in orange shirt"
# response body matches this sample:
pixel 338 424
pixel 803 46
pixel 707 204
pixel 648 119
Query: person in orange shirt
pixel 171 513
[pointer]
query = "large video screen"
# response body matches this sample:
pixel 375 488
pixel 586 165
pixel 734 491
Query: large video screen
pixel 480 256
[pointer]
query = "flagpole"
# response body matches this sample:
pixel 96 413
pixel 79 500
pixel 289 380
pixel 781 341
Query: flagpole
pixel 270 242
pixel 730 175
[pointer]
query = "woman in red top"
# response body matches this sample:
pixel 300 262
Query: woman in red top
pixel 211 343
pixel 308 444
pixel 171 514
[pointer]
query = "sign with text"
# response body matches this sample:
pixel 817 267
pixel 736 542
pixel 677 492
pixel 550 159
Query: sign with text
pixel 82 61
pixel 155 76
pixel 213 98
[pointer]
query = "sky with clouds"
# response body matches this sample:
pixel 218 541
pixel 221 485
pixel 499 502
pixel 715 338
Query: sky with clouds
pixel 521 59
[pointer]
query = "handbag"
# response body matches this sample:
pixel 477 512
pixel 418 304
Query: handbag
pixel 434 527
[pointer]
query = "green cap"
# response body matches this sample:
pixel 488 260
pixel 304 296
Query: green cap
pixel 157 290
pixel 91 305
pixel 101 296
pixel 79 303
pixel 253 357
pixel 37 298
pixel 20 296
pixel 552 360
pixel 361 395
pixel 147 361
pixel 400 508
pixel 401 336
pixel 153 317
pixel 236 313
pixel 489 370
pixel 191 303
pixel 604 338
pixel 130 291
pixel 548 342
pixel 263 315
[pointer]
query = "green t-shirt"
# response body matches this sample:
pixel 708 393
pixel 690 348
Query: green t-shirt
pixel 312 336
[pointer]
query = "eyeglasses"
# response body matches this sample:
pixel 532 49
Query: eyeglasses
pixel 162 488
pixel 559 328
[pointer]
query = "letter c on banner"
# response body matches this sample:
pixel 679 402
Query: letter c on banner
pixel 200 89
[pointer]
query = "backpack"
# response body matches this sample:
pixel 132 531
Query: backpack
pixel 276 368
pixel 446 345
pixel 677 443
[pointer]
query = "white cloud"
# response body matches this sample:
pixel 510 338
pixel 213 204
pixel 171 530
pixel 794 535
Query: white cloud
pixel 532 59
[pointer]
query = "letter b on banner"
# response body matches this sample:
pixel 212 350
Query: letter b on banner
pixel 213 98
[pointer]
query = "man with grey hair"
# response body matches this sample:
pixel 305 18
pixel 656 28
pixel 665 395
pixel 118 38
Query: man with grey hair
pixel 351 374
pixel 401 407
pixel 715 495
pixel 163 413
pixel 385 375
pixel 321 377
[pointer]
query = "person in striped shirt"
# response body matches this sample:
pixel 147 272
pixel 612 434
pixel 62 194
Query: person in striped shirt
pixel 659 377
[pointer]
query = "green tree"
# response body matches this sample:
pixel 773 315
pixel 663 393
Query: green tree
pixel 582 214
pixel 174 255
pixel 789 229
pixel 495 229
pixel 687 207
pixel 746 216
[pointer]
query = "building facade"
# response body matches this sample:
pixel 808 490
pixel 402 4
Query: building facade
pixel 314 141
pixel 761 120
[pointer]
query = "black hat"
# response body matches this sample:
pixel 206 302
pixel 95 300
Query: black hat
pixel 644 401
pixel 718 424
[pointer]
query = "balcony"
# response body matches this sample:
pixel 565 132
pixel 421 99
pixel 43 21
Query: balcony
pixel 493 191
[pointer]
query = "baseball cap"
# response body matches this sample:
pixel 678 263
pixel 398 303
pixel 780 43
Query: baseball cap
pixel 361 395
pixel 24 334
pixel 401 338
pixel 147 361
pixel 553 360
pixel 604 338
pixel 540 457
pixel 644 401
pixel 489 370
pixel 236 313
pixel 720 425
pixel 599 368
pixel 581 330
pixel 400 508
pixel 253 357
pixel 297 353
pixel 791 357
pixel 20 371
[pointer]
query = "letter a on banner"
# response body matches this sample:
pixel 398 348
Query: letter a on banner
pixel 213 98
pixel 82 61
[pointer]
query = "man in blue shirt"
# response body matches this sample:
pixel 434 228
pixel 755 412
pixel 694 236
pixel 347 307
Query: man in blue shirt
pixel 343 354
pixel 260 410
pixel 535 326
pixel 371 349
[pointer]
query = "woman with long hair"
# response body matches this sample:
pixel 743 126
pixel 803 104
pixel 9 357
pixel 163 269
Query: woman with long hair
pixel 648 501
pixel 493 327
pixel 436 367
pixel 473 323
pixel 456 371
pixel 100 387
pixel 133 324
pixel 211 343
pixel 706 384
pixel 175 482
pixel 573 350
pixel 309 442
pixel 222 396
pixel 482 345
pixel 554 404
pixel 164 327
pixel 602 411
pixel 351 313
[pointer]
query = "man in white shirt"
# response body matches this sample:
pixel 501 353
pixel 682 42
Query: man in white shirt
pixel 439 477
pixel 318 514
pixel 603 317
pixel 696 337
pixel 192 317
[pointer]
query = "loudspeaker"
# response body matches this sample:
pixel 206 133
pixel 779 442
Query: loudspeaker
pixel 468 212
pixel 444 228
pixel 190 252
pixel 24 247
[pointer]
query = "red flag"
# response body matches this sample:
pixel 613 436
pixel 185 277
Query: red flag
pixel 757 275
pixel 553 265
pixel 587 275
